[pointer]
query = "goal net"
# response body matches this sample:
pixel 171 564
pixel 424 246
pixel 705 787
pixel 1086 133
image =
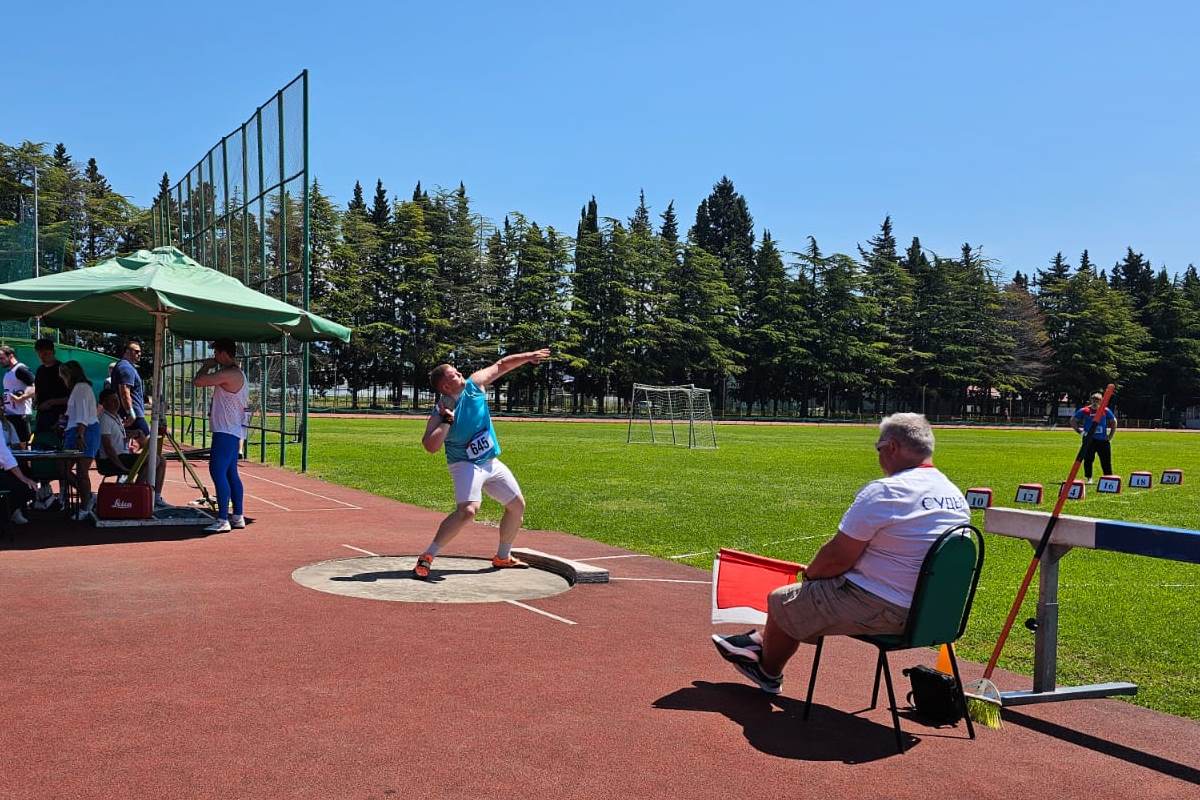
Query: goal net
pixel 676 415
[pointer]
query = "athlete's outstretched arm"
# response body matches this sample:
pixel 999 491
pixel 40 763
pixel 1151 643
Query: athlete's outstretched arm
pixel 488 375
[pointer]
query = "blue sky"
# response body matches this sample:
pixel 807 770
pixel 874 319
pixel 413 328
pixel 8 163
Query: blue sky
pixel 1023 127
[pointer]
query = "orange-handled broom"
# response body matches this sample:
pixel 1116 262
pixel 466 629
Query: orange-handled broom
pixel 983 698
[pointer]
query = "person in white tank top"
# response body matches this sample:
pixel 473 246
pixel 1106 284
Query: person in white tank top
pixel 228 415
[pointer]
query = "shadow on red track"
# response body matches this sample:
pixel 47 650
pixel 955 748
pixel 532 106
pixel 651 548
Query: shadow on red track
pixel 1134 756
pixel 42 534
pixel 774 724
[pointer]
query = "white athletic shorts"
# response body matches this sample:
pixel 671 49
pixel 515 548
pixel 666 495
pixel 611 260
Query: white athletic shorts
pixel 493 477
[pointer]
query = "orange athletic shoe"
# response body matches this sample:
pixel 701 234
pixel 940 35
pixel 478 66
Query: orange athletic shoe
pixel 424 564
pixel 508 563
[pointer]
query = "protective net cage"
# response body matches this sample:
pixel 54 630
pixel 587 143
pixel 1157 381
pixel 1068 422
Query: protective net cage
pixel 244 210
pixel 22 246
pixel 675 415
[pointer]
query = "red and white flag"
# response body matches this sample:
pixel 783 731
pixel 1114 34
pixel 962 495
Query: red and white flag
pixel 741 583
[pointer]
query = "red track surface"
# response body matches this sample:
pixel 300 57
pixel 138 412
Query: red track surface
pixel 189 667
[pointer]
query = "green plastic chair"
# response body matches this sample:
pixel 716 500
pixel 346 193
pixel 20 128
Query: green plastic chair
pixel 938 615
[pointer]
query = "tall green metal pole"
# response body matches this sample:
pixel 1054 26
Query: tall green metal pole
pixel 307 255
pixel 283 271
pixel 228 225
pixel 262 267
pixel 211 217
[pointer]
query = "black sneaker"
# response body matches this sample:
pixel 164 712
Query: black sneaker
pixel 753 671
pixel 747 645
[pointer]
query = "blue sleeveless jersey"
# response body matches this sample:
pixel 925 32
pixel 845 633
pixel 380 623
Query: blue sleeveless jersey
pixel 472 437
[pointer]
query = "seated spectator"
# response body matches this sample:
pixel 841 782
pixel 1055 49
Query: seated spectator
pixel 20 488
pixel 862 580
pixel 114 455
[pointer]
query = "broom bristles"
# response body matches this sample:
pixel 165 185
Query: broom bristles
pixel 984 711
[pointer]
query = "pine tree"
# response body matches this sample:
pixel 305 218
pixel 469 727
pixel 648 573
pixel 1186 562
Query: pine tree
pixel 97 233
pixel 725 229
pixel 697 322
pixel 356 201
pixel 889 288
pixel 352 293
pixel 422 324
pixel 644 267
pixel 1052 298
pixel 1102 341
pixel 460 265
pixel 1134 275
pixel 1024 367
pixel 381 211
pixel 324 233
pixel 592 310
pixel 669 232
pixel 538 306
pixel 843 354
pixel 1174 328
pixel 768 337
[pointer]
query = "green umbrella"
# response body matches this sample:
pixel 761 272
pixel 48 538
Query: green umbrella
pixel 128 294
pixel 152 291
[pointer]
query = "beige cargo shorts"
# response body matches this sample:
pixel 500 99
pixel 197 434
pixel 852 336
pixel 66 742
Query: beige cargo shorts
pixel 832 606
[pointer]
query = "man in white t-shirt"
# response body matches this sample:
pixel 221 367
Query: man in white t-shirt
pixel 18 393
pixel 862 580
pixel 114 455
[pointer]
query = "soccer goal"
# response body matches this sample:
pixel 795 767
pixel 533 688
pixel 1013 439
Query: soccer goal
pixel 677 415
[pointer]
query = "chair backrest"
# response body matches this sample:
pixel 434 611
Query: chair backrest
pixel 945 588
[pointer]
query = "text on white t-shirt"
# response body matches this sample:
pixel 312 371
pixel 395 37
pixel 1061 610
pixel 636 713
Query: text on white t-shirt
pixel 899 517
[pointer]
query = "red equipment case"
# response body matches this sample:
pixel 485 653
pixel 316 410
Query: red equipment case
pixel 125 501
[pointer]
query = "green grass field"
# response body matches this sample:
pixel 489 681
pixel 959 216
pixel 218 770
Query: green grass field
pixel 780 491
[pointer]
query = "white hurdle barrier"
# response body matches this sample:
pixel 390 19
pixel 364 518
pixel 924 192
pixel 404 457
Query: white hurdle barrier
pixel 1155 541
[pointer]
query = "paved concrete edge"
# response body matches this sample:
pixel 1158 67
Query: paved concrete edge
pixel 574 571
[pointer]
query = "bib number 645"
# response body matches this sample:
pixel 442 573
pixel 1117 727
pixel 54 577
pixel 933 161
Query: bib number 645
pixel 481 444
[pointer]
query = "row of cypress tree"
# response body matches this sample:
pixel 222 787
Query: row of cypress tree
pixel 424 279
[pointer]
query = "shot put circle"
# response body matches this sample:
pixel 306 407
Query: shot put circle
pixel 454 579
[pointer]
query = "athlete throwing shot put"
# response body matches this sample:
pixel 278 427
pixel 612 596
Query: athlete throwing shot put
pixel 462 423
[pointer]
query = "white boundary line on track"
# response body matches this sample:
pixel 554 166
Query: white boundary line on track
pixel 539 611
pixel 359 549
pixel 660 580
pixel 249 474
pixel 296 510
pixel 269 502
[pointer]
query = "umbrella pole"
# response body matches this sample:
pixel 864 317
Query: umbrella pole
pixel 160 331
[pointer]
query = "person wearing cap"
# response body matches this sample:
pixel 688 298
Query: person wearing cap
pixel 1100 443
pixel 228 417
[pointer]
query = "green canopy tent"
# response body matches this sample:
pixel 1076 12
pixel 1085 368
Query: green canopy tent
pixel 152 291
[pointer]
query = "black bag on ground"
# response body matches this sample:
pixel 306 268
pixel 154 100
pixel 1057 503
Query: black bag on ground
pixel 934 695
